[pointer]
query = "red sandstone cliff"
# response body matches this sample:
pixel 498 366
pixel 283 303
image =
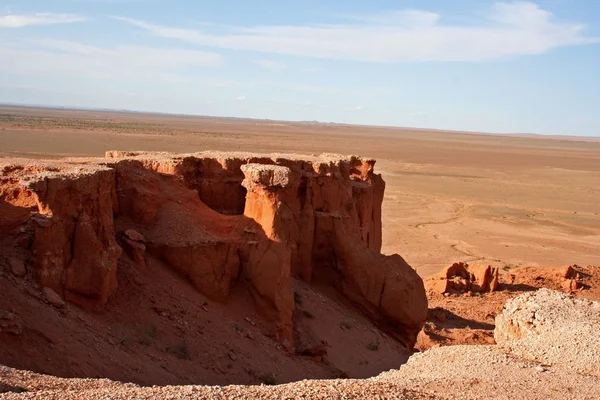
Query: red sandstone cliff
pixel 222 221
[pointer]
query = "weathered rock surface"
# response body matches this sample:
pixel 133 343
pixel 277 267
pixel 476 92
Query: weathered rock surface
pixel 75 252
pixel 10 323
pixel 219 220
pixel 462 277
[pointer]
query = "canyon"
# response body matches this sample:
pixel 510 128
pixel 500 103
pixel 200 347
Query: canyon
pixel 241 228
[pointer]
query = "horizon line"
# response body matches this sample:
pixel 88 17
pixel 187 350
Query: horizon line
pixel 455 131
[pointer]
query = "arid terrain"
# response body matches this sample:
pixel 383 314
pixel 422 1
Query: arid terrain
pixel 213 251
pixel 449 196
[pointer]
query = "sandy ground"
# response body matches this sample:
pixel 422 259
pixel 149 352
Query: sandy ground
pixel 503 200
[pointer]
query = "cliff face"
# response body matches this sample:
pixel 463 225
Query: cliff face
pixel 74 247
pixel 222 221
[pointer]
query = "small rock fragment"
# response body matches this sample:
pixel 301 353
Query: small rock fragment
pixel 134 235
pixel 17 267
pixel 53 298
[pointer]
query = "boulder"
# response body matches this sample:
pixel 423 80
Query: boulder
pixel 17 267
pixel 462 277
pixel 552 328
pixel 53 298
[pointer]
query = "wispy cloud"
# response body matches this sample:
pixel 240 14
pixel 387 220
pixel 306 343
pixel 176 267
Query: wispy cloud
pixel 20 21
pixel 404 18
pixel 272 65
pixel 61 57
pixel 71 47
pixel 240 98
pixel 511 29
pixel 312 70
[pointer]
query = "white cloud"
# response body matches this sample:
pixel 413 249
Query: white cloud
pixel 60 57
pixel 511 29
pixel 358 108
pixel 241 98
pixel 269 64
pixel 71 47
pixel 20 21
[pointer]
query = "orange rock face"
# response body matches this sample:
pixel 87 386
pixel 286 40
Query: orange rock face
pixel 75 251
pixel 220 220
pixel 461 277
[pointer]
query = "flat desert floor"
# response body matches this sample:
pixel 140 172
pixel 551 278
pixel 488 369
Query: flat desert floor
pixel 504 200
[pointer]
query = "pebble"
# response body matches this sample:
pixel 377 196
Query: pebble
pixel 17 267
pixel 53 298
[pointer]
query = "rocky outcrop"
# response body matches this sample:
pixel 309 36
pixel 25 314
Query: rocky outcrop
pixel 462 277
pixel 219 220
pixel 75 251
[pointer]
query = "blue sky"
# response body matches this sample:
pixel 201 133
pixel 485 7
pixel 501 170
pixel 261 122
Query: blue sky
pixel 518 67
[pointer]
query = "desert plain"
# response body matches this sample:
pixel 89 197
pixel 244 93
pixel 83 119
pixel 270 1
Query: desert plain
pixel 506 200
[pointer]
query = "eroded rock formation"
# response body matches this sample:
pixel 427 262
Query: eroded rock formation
pixel 220 220
pixel 462 277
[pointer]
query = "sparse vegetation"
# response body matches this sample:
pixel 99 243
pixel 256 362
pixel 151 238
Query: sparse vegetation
pixel 19 389
pixel 268 379
pixel 124 338
pixel 148 334
pixel 308 314
pixel 45 123
pixel 180 350
pixel 238 328
pixel 298 298
pixel 373 346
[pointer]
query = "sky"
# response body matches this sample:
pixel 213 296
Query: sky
pixel 487 66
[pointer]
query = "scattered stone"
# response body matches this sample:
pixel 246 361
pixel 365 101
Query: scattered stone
pixel 53 298
pixel 232 356
pixel 10 323
pixel 17 267
pixel 134 235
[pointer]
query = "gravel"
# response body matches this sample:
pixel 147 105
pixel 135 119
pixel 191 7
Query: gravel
pixel 552 328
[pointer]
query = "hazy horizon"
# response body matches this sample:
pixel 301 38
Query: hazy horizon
pixel 407 128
